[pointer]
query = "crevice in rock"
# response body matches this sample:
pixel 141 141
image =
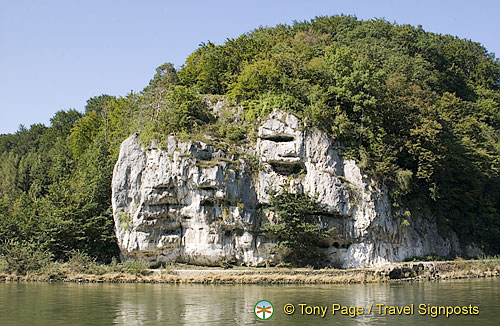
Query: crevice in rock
pixel 345 245
pixel 163 187
pixel 330 214
pixel 167 202
pixel 287 168
pixel 339 244
pixel 218 202
pixel 287 155
pixel 209 202
pixel 279 138
pixel 207 187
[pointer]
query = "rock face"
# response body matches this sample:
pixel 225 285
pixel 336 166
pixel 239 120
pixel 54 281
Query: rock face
pixel 191 202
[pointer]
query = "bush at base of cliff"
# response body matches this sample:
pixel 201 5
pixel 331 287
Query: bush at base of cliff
pixel 3 266
pixel 22 258
pixel 298 228
pixel 80 262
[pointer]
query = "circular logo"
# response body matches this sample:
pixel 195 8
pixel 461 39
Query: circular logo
pixel 263 309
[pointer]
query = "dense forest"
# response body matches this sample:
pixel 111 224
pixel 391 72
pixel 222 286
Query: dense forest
pixel 420 112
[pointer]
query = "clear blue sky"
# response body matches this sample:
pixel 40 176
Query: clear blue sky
pixel 56 54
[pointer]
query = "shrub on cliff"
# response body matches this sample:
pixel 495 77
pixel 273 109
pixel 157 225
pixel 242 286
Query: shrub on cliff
pixel 180 109
pixel 298 228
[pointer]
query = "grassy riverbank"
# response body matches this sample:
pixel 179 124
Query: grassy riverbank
pixel 185 274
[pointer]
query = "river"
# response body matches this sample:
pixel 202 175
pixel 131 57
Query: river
pixel 166 304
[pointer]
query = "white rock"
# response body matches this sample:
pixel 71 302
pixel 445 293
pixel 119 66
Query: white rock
pixel 190 203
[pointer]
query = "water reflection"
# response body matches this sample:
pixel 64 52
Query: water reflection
pixel 160 304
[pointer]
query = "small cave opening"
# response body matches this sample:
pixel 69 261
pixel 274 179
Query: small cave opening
pixel 288 168
pixel 329 214
pixel 341 244
pixel 202 155
pixel 345 245
pixel 165 186
pixel 210 202
pixel 208 187
pixel 279 138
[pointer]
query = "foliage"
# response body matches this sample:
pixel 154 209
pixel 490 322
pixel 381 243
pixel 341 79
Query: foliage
pixel 57 193
pixel 298 227
pixel 431 257
pixel 80 262
pixel 22 258
pixel 181 110
pixel 134 267
pixel 4 266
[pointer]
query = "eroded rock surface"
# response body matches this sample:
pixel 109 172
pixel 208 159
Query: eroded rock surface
pixel 190 202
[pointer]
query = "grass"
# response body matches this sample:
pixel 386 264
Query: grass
pixel 136 271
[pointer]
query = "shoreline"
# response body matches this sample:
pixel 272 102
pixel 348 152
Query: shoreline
pixel 395 272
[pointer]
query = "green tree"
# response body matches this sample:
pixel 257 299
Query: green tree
pixel 298 227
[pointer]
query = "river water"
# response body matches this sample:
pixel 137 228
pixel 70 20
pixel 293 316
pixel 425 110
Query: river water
pixel 165 304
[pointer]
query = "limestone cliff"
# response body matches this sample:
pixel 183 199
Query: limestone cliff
pixel 188 201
